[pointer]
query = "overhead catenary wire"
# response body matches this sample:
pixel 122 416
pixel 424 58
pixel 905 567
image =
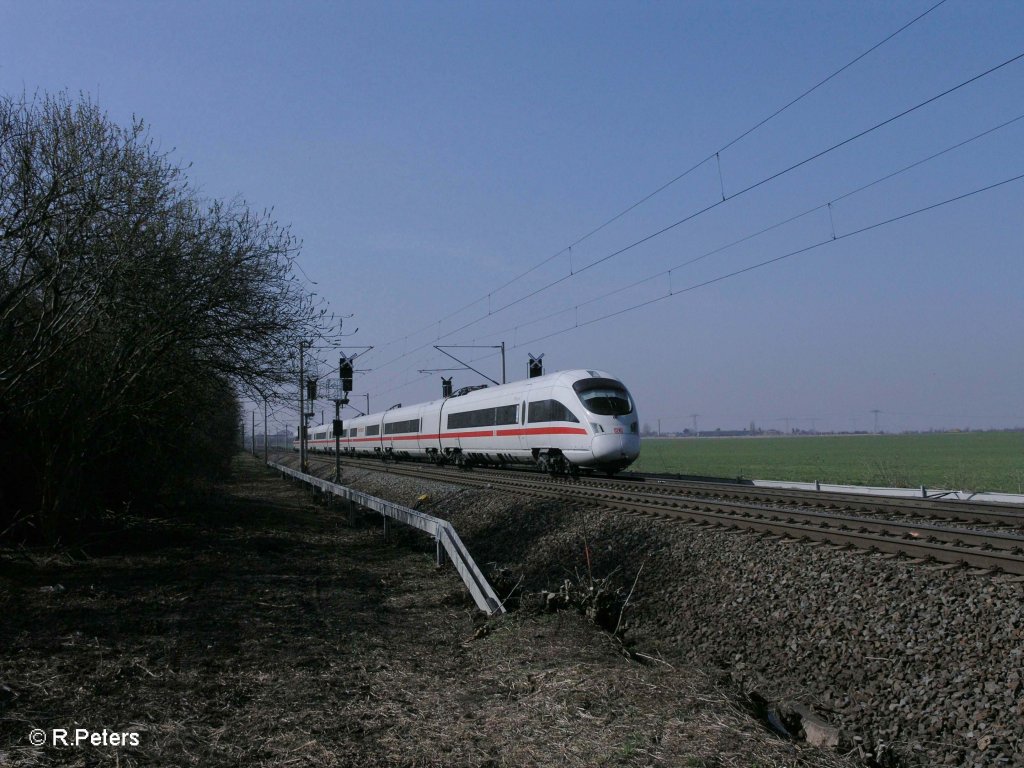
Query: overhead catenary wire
pixel 691 216
pixel 828 241
pixel 751 187
pixel 679 177
pixel 846 195
pixel 813 246
pixel 650 278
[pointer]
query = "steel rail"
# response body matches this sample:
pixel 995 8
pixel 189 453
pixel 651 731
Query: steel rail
pixel 964 511
pixel 961 511
pixel 982 549
pixel 990 513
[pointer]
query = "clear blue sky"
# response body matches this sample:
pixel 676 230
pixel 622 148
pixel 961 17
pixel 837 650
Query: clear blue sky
pixel 428 153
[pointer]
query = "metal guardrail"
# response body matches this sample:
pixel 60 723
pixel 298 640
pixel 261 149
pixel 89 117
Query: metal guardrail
pixel 921 492
pixel 444 534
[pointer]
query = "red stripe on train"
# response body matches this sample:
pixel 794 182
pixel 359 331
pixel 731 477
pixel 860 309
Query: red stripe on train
pixel 482 433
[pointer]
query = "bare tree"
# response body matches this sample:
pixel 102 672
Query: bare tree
pixel 131 311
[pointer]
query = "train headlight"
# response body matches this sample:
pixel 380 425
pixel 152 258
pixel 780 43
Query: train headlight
pixel 598 429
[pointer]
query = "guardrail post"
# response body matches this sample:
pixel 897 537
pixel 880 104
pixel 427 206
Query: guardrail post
pixel 385 528
pixel 440 550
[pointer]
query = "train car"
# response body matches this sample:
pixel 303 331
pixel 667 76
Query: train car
pixel 561 422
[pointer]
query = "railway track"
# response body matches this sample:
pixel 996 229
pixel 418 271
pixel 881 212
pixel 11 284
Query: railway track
pixel 978 513
pixel 986 536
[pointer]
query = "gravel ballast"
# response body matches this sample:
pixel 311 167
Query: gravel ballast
pixel 916 664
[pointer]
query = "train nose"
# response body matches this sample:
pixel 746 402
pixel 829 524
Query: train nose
pixel 611 448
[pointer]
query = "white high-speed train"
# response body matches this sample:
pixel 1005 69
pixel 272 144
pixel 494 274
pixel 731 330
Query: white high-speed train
pixel 561 422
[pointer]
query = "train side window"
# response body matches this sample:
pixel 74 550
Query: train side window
pixel 564 414
pixel 505 414
pixel 550 410
pixel 484 417
pixel 402 427
pixel 539 411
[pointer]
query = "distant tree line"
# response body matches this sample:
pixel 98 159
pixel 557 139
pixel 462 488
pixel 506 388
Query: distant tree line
pixel 132 312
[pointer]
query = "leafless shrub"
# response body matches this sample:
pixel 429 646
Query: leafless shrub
pixel 131 313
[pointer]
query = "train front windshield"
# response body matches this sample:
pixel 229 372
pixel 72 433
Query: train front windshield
pixel 604 397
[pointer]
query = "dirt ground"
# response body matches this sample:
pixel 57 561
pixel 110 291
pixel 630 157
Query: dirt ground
pixel 250 627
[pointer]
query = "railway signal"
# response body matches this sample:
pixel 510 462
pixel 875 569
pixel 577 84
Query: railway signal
pixel 345 371
pixel 535 367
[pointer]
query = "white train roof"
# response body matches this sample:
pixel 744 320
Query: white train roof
pixel 567 378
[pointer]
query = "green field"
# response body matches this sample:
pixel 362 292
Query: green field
pixel 976 461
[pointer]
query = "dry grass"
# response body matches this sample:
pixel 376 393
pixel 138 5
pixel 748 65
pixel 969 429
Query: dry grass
pixel 252 628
